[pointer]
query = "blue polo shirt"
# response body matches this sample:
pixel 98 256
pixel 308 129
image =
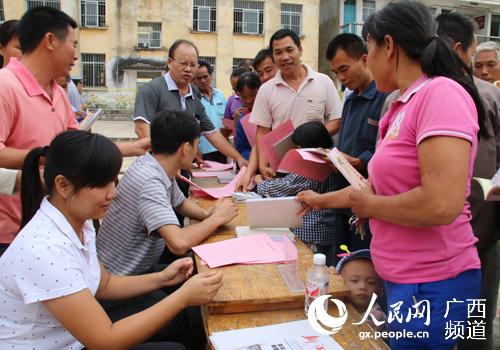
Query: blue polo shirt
pixel 214 109
pixel 360 117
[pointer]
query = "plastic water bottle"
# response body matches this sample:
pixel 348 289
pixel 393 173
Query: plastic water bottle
pixel 317 280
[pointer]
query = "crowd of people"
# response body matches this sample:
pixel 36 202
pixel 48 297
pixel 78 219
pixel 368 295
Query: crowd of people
pixel 419 118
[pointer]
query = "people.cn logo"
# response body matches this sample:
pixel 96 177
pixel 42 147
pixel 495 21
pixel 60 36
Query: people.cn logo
pixel 321 321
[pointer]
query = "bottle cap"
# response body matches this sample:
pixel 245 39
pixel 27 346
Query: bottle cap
pixel 319 259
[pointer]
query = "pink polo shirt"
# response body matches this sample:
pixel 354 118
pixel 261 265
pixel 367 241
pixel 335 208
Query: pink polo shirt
pixel 29 118
pixel 430 107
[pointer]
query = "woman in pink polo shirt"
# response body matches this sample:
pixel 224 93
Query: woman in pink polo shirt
pixel 423 245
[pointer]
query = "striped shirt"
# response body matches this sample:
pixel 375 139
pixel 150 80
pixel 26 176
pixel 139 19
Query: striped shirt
pixel 128 243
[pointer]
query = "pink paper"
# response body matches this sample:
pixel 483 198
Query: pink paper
pixel 216 166
pixel 271 142
pixel 250 129
pixel 204 174
pixel 228 124
pixel 306 164
pixel 254 249
pixel 217 192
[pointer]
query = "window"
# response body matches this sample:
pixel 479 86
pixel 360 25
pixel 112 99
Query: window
pixel 204 15
pixel 94 69
pixel 291 17
pixel 495 25
pixel 368 8
pixel 52 3
pixel 2 15
pixel 148 35
pixel 248 17
pixel 93 13
pixel 237 61
pixel 210 60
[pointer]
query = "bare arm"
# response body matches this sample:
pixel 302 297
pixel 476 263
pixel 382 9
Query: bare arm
pixel 180 240
pixel 191 209
pixel 142 128
pixel 85 319
pixel 443 163
pixel 12 158
pixel 264 170
pixel 333 126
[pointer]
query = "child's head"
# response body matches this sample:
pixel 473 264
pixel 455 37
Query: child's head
pixel 175 133
pixel 312 135
pixel 247 86
pixel 360 277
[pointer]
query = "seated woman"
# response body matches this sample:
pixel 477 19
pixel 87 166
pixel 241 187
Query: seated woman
pixel 50 276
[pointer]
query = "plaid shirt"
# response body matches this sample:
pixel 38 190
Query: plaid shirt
pixel 317 225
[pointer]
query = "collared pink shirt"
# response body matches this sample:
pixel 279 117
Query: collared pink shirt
pixel 402 254
pixel 29 119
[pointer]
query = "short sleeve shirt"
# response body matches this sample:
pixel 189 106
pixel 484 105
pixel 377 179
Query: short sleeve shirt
pixel 29 118
pixel 214 109
pixel 401 254
pixel 45 261
pixel 128 243
pixel 163 94
pixel 316 99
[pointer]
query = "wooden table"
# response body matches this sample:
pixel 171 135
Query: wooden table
pixel 255 295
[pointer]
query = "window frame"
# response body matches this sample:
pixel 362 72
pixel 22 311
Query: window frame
pixel 96 62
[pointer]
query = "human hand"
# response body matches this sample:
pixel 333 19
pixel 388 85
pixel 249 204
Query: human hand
pixel 266 172
pixel 309 200
pixel 355 162
pixel 224 210
pixel 238 112
pixel 177 272
pixel 258 179
pixel 201 288
pixel 226 132
pixel 140 146
pixel 360 202
pixel 244 182
pixel 242 162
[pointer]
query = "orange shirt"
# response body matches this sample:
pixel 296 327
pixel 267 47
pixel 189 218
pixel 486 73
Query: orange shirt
pixel 29 118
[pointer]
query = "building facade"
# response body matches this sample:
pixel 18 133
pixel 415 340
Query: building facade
pixel 348 16
pixel 123 44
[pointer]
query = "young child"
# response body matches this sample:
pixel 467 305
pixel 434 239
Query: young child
pixel 247 86
pixel 317 230
pixel 360 277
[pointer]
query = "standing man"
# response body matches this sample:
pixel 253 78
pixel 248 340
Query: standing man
pixel 296 92
pixel 264 65
pixel 174 92
pixel 487 61
pixel 33 108
pixel 485 215
pixel 214 103
pixel 347 54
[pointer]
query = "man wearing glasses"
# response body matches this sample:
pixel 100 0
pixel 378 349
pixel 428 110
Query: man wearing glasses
pixel 174 92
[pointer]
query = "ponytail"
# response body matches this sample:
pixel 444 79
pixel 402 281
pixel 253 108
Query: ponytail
pixel 32 191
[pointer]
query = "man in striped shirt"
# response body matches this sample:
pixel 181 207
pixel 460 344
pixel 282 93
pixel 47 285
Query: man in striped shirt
pixel 141 220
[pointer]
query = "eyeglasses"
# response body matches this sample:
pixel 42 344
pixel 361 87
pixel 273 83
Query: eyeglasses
pixel 184 64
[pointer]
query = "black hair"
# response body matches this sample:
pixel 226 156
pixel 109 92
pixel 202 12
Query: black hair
pixel 78 81
pixel 457 27
pixel 250 80
pixel 39 21
pixel 412 27
pixel 177 43
pixel 85 159
pixel 261 56
pixel 170 129
pixel 203 63
pixel 238 72
pixel 312 135
pixel 283 33
pixel 8 31
pixel 352 44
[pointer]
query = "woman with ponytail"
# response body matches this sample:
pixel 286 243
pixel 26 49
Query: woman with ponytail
pixel 50 277
pixel 423 245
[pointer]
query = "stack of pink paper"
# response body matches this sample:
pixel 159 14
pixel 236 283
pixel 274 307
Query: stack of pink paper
pixel 254 249
pixel 216 192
